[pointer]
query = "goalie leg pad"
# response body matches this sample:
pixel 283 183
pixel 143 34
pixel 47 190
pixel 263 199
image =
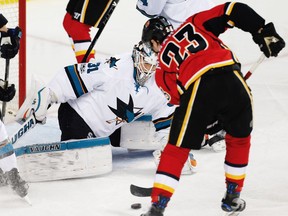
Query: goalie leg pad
pixel 139 135
pixel 65 160
pixel 7 156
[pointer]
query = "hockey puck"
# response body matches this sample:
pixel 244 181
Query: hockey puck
pixel 136 206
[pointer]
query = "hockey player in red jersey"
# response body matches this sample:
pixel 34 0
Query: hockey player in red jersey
pixel 176 12
pixel 80 17
pixel 195 67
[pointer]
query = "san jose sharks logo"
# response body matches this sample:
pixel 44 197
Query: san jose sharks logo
pixel 112 62
pixel 124 112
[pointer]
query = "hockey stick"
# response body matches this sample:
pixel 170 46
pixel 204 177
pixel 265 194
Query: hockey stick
pixel 25 127
pixel 254 66
pixel 7 66
pixel 146 192
pixel 140 191
pixel 101 27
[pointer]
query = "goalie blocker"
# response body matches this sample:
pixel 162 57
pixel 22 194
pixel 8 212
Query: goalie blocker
pixel 65 160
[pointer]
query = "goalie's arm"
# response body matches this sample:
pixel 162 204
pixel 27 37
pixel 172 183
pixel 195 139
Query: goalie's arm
pixel 150 8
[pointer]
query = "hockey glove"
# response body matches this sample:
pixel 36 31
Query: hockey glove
pixel 9 51
pixel 7 94
pixel 269 41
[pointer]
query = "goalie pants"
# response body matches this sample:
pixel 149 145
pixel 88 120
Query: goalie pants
pixel 73 126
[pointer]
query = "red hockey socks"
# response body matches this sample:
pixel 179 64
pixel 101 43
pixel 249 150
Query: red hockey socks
pixel 169 171
pixel 236 160
pixel 79 37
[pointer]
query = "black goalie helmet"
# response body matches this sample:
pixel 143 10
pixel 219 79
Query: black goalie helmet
pixel 157 28
pixel 145 62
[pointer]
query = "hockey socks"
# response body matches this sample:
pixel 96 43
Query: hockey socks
pixel 236 160
pixel 169 171
pixel 80 37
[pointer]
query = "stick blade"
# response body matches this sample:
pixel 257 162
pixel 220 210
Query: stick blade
pixel 140 191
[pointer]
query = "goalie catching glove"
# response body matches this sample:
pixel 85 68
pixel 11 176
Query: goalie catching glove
pixel 10 50
pixel 269 41
pixel 8 93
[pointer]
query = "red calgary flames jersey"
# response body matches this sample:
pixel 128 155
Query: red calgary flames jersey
pixel 194 48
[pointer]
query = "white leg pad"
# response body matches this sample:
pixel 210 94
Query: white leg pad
pixel 139 135
pixel 65 160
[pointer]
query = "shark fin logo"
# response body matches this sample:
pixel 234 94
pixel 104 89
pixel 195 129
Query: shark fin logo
pixel 112 62
pixel 124 112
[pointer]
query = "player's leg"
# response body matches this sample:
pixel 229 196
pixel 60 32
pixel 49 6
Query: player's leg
pixel 187 120
pixel 8 165
pixel 77 23
pixel 238 125
pixel 79 36
pixel 72 125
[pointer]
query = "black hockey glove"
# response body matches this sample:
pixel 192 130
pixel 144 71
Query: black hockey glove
pixel 269 41
pixel 7 94
pixel 9 51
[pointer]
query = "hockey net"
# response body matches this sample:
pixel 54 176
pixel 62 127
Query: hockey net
pixel 15 13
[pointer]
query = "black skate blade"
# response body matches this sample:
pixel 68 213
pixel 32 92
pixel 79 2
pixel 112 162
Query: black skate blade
pixel 236 213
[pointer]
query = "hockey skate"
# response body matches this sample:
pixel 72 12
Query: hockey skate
pixel 189 167
pixel 16 182
pixel 157 209
pixel 216 141
pixel 3 179
pixel 36 103
pixel 231 201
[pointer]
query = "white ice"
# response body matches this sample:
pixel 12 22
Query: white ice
pixel 266 186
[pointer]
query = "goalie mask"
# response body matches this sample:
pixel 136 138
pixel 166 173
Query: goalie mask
pixel 157 28
pixel 145 62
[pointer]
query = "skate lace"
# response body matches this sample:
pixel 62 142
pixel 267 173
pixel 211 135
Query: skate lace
pixel 231 200
pixel 162 202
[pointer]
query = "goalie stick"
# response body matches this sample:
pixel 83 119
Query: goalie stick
pixel 7 66
pixel 101 27
pixel 25 127
pixel 146 192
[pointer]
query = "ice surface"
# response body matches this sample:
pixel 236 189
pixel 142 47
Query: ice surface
pixel 266 186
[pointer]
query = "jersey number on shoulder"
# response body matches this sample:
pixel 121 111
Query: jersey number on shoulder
pixel 92 67
pixel 186 41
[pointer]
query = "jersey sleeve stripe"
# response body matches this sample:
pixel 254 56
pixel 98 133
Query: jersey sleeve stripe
pixel 76 81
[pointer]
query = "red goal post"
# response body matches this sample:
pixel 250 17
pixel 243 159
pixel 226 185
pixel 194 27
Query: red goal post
pixel 15 12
